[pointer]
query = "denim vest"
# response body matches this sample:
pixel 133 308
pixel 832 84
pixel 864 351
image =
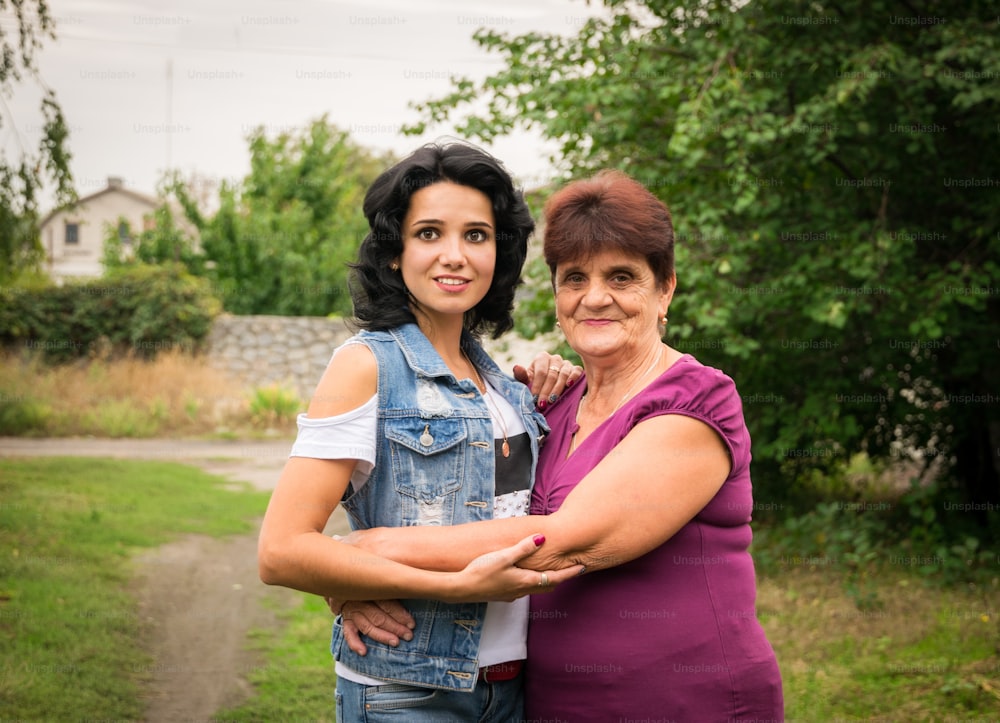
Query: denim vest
pixel 434 466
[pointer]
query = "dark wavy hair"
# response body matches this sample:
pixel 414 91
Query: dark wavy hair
pixel 381 300
pixel 609 212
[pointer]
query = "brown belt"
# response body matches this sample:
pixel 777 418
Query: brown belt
pixel 501 671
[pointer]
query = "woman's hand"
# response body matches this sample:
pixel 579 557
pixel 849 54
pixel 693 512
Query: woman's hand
pixel 548 376
pixel 384 621
pixel 495 575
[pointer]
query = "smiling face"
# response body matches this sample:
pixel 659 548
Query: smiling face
pixel 609 305
pixel 449 251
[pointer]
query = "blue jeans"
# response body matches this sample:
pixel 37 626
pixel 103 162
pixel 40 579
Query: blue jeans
pixel 501 702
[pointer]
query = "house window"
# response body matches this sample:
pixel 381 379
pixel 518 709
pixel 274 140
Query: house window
pixel 72 233
pixel 123 232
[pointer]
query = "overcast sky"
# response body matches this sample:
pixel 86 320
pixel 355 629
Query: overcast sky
pixel 239 64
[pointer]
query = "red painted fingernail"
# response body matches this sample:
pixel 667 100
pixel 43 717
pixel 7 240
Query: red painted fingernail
pixel 570 382
pixel 539 539
pixel 542 404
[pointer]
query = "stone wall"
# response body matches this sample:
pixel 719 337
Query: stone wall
pixel 289 350
pixel 294 350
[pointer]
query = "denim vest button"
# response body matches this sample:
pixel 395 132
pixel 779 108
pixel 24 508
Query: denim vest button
pixel 426 438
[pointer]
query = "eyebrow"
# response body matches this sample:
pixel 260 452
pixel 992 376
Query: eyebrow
pixel 440 222
pixel 618 268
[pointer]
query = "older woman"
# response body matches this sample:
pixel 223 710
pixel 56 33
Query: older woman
pixel 645 479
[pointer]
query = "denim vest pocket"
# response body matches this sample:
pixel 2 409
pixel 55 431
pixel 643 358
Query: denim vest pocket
pixel 427 469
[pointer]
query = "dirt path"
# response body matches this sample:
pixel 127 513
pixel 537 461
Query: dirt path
pixel 198 596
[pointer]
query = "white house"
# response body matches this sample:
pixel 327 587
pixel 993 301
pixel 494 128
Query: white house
pixel 73 238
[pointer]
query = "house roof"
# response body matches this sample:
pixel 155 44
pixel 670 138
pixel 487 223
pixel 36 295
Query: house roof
pixel 115 185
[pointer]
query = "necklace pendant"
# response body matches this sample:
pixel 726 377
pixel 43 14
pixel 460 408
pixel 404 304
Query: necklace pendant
pixel 505 449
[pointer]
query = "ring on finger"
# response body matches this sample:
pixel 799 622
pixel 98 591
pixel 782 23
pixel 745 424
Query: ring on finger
pixel 544 581
pixel 555 369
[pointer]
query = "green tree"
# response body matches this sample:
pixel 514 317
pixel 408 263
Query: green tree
pixel 832 173
pixel 280 241
pixel 24 24
pixel 164 241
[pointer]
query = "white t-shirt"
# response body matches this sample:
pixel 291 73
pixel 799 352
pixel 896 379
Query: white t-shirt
pixel 352 436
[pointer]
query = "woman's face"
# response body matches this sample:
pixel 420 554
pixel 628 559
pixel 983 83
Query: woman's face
pixel 610 304
pixel 449 248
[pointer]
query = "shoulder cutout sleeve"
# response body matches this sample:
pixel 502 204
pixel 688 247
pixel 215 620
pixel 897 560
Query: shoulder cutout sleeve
pixel 345 436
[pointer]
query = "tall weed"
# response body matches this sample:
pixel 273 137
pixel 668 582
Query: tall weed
pixel 176 393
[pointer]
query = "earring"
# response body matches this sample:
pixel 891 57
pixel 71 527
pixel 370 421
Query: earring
pixel 394 266
pixel 664 320
pixel 558 325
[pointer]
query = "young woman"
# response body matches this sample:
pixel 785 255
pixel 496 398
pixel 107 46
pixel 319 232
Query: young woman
pixel 413 424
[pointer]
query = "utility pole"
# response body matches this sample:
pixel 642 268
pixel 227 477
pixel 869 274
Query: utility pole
pixel 170 113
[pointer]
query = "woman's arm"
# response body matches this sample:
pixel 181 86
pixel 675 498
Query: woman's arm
pixel 649 486
pixel 294 552
pixel 640 495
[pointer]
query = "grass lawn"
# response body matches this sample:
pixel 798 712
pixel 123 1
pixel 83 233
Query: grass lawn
pixel 921 652
pixel 68 527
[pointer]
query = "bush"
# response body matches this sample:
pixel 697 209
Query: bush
pixel 139 310
pixel 274 405
pixel 21 414
pixel 925 528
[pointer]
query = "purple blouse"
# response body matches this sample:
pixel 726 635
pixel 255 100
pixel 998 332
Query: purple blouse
pixel 671 635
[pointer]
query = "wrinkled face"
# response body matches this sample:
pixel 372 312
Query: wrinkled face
pixel 610 304
pixel 449 249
